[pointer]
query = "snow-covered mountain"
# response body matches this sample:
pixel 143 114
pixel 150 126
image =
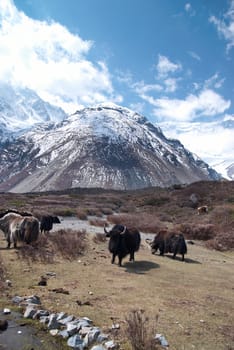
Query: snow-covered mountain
pixel 105 146
pixel 22 108
pixel 213 141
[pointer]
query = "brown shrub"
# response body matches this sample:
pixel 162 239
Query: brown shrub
pixel 222 241
pixel 223 217
pixel 99 238
pixel 97 222
pixel 2 274
pixel 67 243
pixel 81 214
pixel 197 231
pixel 142 221
pixel 38 251
pixel 106 211
pixel 70 244
pixel 140 331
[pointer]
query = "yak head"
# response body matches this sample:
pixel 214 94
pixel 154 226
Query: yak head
pixel 116 231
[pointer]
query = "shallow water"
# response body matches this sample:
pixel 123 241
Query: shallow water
pixel 18 336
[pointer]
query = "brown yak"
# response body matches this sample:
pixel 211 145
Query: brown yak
pixel 169 242
pixel 19 228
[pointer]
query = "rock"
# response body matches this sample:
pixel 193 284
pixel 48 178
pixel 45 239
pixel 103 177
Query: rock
pixel 54 332
pixel 60 290
pixel 67 319
pixel 34 299
pixel 61 316
pixel 98 347
pixel 43 281
pixel 17 300
pixel 102 337
pixel 64 333
pixel 91 336
pixel 110 345
pixel 51 274
pixel 8 283
pixel 40 313
pixel 162 340
pixel 29 312
pixel 71 328
pixel 75 342
pixel 3 325
pixel 53 323
pixel 6 311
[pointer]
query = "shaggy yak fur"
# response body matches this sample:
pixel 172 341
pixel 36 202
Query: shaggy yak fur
pixel 19 228
pixel 123 241
pixel 47 222
pixel 169 242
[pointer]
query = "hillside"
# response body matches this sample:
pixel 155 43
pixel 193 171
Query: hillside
pixel 107 146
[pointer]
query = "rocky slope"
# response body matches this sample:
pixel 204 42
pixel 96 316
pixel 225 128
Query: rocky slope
pixel 107 146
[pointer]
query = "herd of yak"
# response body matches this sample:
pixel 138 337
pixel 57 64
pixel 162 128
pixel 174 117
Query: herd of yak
pixel 123 241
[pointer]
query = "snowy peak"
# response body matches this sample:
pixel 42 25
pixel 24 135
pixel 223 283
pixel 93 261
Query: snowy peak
pixel 21 109
pixel 105 146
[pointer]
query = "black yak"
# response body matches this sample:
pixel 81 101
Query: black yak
pixel 47 222
pixel 19 228
pixel 123 241
pixel 169 242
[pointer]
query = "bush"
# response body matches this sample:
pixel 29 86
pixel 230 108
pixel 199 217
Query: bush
pixel 81 214
pixel 67 243
pixel 142 221
pixel 99 238
pixel 222 241
pixel 2 274
pixel 38 251
pixel 140 331
pixel 97 222
pixel 199 232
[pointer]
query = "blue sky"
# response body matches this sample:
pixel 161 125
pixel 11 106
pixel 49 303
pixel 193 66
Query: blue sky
pixel 171 61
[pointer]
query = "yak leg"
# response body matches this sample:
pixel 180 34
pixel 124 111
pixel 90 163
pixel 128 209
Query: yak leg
pixel 120 260
pixel 113 258
pixel 8 238
pixel 131 256
pixel 182 257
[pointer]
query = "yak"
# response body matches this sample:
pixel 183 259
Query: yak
pixel 19 228
pixel 169 242
pixel 202 210
pixel 123 241
pixel 47 222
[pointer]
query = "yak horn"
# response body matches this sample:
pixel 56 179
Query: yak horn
pixel 124 230
pixel 105 230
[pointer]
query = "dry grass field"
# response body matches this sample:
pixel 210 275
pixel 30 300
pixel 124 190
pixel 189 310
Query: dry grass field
pixel 193 301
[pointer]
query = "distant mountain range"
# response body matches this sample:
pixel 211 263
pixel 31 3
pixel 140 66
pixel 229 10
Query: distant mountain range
pixel 106 146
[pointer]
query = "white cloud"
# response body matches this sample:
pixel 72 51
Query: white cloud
pixel 165 66
pixel 141 88
pixel 214 81
pixel 170 84
pixel 194 55
pixel 210 141
pixel 49 59
pixel 208 103
pixel 188 8
pixel 225 26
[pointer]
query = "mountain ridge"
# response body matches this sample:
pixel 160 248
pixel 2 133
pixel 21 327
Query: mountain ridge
pixel 106 146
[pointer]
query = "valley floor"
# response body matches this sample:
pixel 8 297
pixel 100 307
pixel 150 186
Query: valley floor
pixel 193 300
